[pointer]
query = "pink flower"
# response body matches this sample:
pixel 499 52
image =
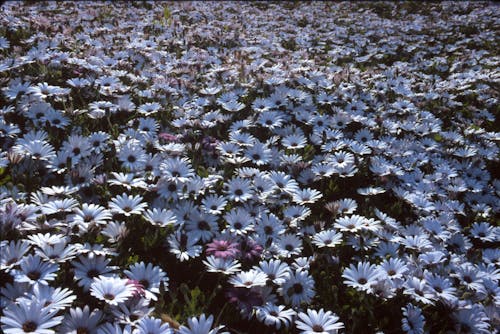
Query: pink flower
pixel 167 136
pixel 138 287
pixel 250 249
pixel 222 249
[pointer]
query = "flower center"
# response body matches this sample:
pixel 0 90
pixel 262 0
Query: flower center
pixel 203 225
pixel 29 326
pixel 92 273
pixel 109 296
pixel 144 283
pixel 34 275
pixel 298 288
pixel 238 192
pixel 82 330
pixel 362 280
pixel 131 159
pixel 317 328
pixel 268 230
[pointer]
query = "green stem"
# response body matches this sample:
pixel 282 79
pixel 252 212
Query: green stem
pixel 220 314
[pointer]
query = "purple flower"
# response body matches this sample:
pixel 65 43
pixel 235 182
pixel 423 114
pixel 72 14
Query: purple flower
pixel 168 137
pixel 250 249
pixel 222 249
pixel 245 299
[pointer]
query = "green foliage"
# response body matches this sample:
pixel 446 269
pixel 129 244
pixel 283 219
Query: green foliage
pixel 289 44
pixel 166 14
pixel 4 176
pixel 186 302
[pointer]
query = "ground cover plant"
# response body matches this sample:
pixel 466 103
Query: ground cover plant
pixel 249 167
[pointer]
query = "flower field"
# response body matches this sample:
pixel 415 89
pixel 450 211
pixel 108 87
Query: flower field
pixel 249 167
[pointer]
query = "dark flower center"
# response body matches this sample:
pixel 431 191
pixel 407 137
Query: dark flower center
pixel 203 225
pixel 237 225
pixel 362 280
pixel 34 275
pixel 172 187
pixel 29 326
pixel 176 173
pixel 109 296
pixel 289 247
pixel 131 159
pixel 317 328
pixel 76 151
pixel 297 288
pixel 92 273
pixel 144 283
pixel 238 192
pixel 87 218
pixel 268 230
pixel 391 272
pixel 82 330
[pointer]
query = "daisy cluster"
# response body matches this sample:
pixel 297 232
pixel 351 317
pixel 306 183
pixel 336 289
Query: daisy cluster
pixel 243 167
